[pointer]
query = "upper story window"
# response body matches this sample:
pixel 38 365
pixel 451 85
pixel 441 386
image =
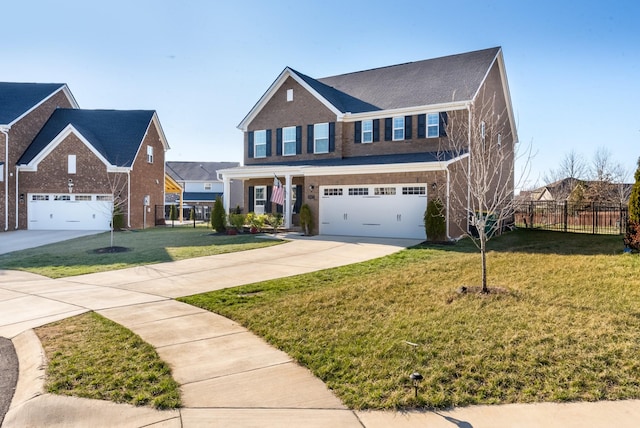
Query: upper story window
pixel 260 143
pixel 150 154
pixel 289 95
pixel 433 125
pixel 289 141
pixel 398 128
pixel 367 131
pixel 71 164
pixel 1 171
pixel 321 138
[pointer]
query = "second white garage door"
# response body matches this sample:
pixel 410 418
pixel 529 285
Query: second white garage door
pixel 384 210
pixel 69 212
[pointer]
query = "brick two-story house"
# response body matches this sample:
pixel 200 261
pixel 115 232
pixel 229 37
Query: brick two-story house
pixel 366 150
pixel 65 168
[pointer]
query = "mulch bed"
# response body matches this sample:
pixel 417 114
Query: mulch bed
pixel 110 250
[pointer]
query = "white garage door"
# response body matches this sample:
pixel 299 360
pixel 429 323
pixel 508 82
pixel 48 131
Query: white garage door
pixel 385 210
pixel 69 212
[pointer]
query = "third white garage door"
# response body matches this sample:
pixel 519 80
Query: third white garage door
pixel 384 210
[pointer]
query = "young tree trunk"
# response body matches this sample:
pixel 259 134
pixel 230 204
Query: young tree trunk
pixel 483 252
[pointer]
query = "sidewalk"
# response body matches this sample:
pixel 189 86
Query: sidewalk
pixel 228 376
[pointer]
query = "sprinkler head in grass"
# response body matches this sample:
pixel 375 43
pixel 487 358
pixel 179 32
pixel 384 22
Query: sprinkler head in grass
pixel 416 378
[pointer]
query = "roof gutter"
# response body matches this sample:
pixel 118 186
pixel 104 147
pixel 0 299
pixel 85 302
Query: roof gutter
pixel 5 131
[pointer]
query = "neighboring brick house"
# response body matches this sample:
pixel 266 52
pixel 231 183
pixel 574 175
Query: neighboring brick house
pixel 366 150
pixel 68 165
pixel 200 186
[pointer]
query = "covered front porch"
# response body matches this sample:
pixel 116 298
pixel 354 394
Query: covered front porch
pixel 259 183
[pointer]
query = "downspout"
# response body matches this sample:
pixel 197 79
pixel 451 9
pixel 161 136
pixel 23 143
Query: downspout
pixel 129 199
pixel 17 201
pixel 469 167
pixel 5 131
pixel 448 199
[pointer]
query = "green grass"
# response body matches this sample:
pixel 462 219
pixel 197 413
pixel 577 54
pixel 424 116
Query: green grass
pixel 156 245
pixel 92 357
pixel 568 327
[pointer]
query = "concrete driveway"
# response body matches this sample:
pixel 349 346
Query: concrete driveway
pixel 22 239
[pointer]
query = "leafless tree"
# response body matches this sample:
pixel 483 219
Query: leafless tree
pixel 607 178
pixel 115 200
pixel 572 166
pixel 483 182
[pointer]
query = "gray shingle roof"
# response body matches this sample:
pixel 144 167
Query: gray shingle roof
pixel 115 134
pixel 197 171
pixel 18 98
pixel 443 156
pixel 433 81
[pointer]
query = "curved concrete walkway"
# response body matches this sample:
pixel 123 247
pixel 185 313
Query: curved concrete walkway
pixel 228 376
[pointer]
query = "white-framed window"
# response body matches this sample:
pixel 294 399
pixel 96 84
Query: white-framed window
pixel 82 197
pixel 150 154
pixel 333 192
pixel 260 144
pixel 62 198
pixel 1 172
pixel 104 198
pixel 39 197
pixel 289 141
pixel 398 128
pixel 71 164
pixel 380 191
pixel 321 138
pixel 367 131
pixel 289 95
pixel 207 186
pixel 414 190
pixel 499 141
pixel 358 191
pixel 433 125
pixel 482 129
pixel 259 198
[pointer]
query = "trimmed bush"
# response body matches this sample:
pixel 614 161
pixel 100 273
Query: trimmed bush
pixel 306 219
pixel 237 221
pixel 434 221
pixel 218 217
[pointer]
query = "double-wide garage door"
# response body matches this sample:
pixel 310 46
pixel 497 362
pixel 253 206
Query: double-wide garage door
pixel 384 210
pixel 69 212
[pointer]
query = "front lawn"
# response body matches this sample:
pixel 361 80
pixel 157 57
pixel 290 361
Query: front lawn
pixel 164 244
pixel 92 357
pixel 567 327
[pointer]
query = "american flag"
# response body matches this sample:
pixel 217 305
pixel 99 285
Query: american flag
pixel 277 196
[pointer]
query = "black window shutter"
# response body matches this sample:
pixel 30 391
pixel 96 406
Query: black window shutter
pixel 279 141
pixel 251 199
pixel 357 133
pixel 298 140
pixel 298 204
pixel 376 129
pixel 267 204
pixel 422 123
pixel 268 151
pixel 442 124
pixel 332 136
pixel 407 127
pixel 309 138
pixel 280 209
pixel 250 146
pixel 387 128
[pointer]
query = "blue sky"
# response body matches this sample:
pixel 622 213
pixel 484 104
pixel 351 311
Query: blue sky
pixel 573 66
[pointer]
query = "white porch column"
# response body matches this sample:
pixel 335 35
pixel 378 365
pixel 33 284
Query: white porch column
pixel 287 201
pixel 226 193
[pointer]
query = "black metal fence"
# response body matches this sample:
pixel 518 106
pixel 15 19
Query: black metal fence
pixel 595 218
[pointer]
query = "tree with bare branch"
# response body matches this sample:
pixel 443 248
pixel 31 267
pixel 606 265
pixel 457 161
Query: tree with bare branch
pixel 483 182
